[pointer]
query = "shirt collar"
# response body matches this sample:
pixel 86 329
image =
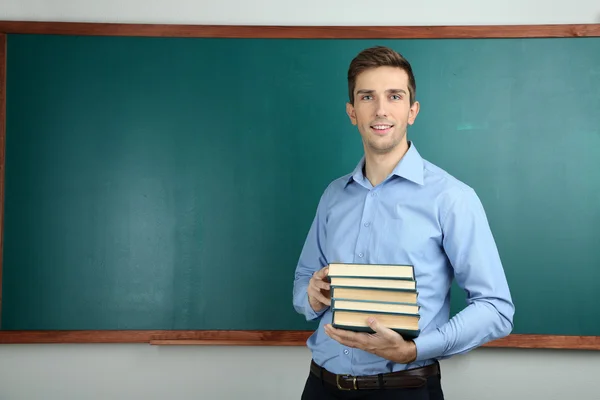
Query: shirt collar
pixel 410 167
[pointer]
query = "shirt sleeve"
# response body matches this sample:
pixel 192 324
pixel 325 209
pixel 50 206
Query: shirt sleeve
pixel 312 258
pixel 471 249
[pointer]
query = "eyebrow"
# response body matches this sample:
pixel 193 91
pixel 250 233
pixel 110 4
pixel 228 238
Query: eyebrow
pixel 370 91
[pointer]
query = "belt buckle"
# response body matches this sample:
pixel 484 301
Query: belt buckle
pixel 337 381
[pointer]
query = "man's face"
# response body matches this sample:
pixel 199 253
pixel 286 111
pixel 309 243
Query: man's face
pixel 382 109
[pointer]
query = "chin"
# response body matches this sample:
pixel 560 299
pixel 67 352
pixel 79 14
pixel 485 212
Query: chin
pixel 381 149
pixel 383 145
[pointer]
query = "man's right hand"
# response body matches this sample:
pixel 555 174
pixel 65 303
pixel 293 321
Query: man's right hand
pixel 319 295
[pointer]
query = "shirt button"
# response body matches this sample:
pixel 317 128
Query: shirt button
pixel 346 351
pixel 360 254
pixel 367 223
pixel 373 194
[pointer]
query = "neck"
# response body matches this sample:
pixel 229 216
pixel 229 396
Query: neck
pixel 378 166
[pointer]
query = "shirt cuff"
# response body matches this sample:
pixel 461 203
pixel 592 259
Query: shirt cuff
pixel 430 345
pixel 311 314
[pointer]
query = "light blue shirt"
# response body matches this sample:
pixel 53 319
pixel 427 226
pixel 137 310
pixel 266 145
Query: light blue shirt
pixel 419 215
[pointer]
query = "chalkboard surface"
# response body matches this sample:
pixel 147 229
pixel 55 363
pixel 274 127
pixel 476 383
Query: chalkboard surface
pixel 169 183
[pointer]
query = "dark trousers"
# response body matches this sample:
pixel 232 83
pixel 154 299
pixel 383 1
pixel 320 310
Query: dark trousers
pixel 315 389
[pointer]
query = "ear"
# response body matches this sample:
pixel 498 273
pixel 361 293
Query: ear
pixel 412 113
pixel 351 113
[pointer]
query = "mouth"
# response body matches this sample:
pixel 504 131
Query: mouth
pixel 381 129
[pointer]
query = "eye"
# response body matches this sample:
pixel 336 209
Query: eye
pixel 397 97
pixel 366 97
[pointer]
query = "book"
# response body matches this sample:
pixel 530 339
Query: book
pixel 372 270
pixel 381 295
pixel 406 325
pixel 379 283
pixel 387 292
pixel 372 306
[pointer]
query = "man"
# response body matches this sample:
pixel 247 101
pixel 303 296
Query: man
pixel 397 208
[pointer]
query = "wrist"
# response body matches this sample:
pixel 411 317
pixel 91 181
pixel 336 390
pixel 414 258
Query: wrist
pixel 408 352
pixel 412 352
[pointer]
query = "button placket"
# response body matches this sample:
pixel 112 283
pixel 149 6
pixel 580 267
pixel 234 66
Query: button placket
pixel 364 234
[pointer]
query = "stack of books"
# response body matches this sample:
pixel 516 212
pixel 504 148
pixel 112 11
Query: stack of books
pixel 387 292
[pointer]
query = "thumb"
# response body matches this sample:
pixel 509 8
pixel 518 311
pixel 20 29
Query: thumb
pixel 378 328
pixel 374 324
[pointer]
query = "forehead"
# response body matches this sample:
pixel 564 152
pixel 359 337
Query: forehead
pixel 382 78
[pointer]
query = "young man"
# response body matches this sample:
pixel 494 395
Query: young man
pixel 397 208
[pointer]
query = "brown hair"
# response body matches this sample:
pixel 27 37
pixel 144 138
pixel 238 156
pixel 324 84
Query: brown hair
pixel 379 56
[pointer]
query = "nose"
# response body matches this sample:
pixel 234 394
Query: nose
pixel 381 111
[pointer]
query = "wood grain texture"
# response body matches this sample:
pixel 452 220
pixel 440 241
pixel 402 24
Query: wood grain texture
pixel 232 338
pixel 260 338
pixel 548 342
pixel 321 32
pixel 222 342
pixel 269 338
pixel 103 336
pixel 2 147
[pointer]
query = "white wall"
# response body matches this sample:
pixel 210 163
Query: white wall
pixel 306 12
pixel 127 371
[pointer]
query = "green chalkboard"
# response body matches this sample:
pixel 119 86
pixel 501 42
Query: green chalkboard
pixel 169 183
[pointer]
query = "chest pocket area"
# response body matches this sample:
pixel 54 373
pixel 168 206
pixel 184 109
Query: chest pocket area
pixel 407 233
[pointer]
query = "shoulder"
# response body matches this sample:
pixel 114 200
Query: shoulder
pixel 333 190
pixel 442 180
pixel 337 187
pixel 449 192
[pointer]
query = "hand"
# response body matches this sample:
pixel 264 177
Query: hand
pixel 384 342
pixel 319 295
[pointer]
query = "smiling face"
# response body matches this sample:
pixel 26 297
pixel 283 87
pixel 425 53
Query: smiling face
pixel 382 110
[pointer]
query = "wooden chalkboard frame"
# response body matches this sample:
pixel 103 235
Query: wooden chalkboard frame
pixel 262 338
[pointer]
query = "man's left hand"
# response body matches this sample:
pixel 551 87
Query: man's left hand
pixel 384 342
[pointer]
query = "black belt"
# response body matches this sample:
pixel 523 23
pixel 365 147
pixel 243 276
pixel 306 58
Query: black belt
pixel 409 378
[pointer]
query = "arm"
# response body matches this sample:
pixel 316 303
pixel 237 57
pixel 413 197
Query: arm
pixel 471 249
pixel 312 259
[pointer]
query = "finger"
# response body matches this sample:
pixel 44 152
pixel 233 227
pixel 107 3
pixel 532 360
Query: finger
pixel 322 273
pixel 317 280
pixel 382 330
pixel 316 294
pixel 321 285
pixel 323 299
pixel 334 334
pixel 345 337
pixel 317 287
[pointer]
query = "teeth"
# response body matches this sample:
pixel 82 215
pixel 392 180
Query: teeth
pixel 381 126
